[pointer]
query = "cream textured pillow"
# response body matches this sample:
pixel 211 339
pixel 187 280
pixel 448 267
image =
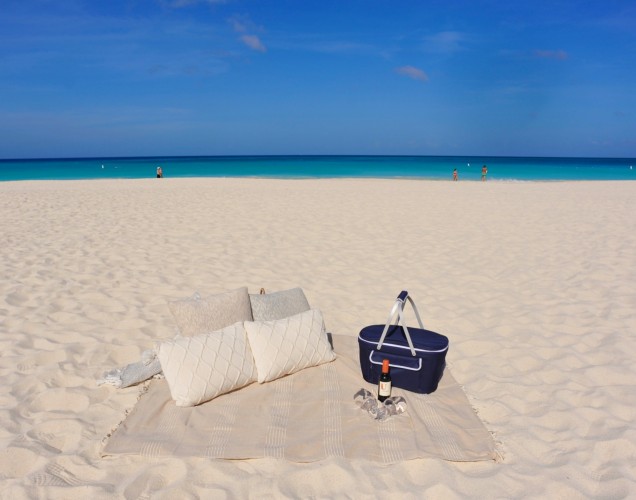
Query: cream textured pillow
pixel 203 367
pixel 196 314
pixel 278 305
pixel 288 345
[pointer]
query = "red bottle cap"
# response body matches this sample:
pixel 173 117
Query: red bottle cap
pixel 385 366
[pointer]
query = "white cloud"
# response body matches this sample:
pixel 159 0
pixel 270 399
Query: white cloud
pixel 445 41
pixel 560 55
pixel 242 24
pixel 238 26
pixel 412 72
pixel 336 47
pixel 178 4
pixel 253 42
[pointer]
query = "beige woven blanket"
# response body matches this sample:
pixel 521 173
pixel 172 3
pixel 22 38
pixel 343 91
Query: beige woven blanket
pixel 306 417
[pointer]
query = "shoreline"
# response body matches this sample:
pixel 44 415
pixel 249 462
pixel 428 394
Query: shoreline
pixel 532 283
pixel 352 178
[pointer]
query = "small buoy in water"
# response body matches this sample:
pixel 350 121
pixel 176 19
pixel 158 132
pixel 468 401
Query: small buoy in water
pixel 469 164
pixel 630 167
pixel 102 166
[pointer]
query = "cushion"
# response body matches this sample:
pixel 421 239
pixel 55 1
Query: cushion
pixel 278 305
pixel 196 314
pixel 285 346
pixel 202 367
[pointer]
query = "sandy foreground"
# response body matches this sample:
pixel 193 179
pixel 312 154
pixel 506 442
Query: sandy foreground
pixel 534 283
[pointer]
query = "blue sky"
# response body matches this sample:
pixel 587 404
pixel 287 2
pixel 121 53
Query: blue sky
pixel 203 77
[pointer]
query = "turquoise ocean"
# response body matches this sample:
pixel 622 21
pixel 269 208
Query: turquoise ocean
pixel 298 167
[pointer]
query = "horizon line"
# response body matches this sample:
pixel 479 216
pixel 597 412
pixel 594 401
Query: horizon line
pixel 152 157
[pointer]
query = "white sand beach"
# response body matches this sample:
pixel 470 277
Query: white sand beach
pixel 532 282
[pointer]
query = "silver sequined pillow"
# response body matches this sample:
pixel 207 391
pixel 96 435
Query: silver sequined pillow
pixel 278 305
pixel 196 315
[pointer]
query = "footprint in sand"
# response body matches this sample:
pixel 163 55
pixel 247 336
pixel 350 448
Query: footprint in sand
pixel 68 471
pixel 56 475
pixel 50 357
pixel 26 366
pixel 156 478
pixel 62 379
pixel 60 400
pixel 64 317
pixel 16 299
pixel 16 462
pixel 30 363
pixel 63 435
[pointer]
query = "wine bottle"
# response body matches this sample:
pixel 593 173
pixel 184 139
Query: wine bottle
pixel 384 385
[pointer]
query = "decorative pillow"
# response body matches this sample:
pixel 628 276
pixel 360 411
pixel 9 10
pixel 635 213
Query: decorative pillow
pixel 278 305
pixel 196 315
pixel 288 345
pixel 202 367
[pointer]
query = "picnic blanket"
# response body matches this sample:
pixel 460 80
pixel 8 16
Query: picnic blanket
pixel 306 417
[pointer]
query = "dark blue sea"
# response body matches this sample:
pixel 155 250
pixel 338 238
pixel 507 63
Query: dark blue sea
pixel 298 167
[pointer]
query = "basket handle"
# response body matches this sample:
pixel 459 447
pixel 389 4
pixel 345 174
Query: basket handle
pixel 398 309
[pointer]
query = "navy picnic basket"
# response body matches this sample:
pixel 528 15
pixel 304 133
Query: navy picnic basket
pixel 416 356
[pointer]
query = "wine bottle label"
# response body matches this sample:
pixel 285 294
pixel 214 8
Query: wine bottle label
pixel 384 389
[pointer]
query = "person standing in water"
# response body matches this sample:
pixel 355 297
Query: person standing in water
pixel 484 172
pixel 455 177
pixel 159 173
